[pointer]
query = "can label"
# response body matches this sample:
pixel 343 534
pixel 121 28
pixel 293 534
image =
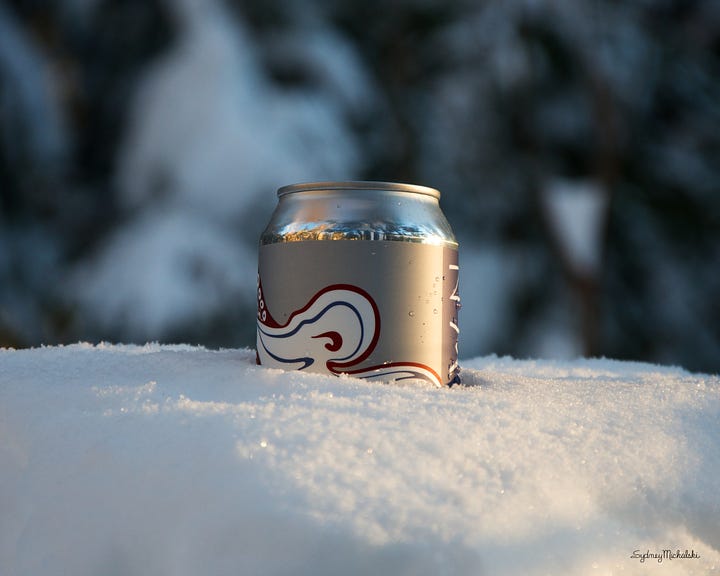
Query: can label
pixel 370 309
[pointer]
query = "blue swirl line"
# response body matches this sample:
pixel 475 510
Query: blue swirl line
pixel 312 321
pixel 306 360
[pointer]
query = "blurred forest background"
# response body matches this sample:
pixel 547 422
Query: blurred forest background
pixel 576 145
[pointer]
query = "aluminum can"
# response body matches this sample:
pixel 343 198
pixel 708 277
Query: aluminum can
pixel 359 278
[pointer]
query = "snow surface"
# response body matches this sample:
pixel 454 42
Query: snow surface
pixel 119 459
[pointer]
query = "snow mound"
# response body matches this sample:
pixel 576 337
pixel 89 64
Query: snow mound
pixel 181 460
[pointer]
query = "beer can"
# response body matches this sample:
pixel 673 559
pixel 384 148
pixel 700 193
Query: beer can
pixel 359 278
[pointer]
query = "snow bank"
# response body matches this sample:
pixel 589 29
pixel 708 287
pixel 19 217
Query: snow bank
pixel 180 460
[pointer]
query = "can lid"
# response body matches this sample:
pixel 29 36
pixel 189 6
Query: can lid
pixel 358 185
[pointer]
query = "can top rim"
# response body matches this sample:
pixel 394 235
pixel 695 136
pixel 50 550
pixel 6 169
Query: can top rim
pixel 358 185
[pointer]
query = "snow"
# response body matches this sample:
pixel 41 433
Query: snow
pixel 210 127
pixel 577 211
pixel 31 121
pixel 122 459
pixel 185 265
pixel 488 275
pixel 210 138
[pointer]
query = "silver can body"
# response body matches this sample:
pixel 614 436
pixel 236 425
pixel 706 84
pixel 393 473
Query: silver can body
pixel 359 278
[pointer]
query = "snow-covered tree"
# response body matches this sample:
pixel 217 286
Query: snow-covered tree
pixel 576 145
